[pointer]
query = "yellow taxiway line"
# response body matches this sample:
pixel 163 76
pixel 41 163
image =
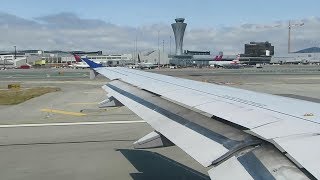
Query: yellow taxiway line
pixel 83 103
pixel 63 112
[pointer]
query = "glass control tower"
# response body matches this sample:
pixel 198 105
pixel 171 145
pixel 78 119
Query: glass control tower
pixel 178 29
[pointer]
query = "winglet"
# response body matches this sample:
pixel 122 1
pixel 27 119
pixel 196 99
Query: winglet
pixel 91 63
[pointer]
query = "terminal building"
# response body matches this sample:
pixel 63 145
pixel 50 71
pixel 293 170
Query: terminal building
pixel 257 53
pixel 112 59
pixel 258 49
pixel 17 59
pixel 305 56
pixel 196 52
pixel 40 58
pixel 66 58
pixel 152 57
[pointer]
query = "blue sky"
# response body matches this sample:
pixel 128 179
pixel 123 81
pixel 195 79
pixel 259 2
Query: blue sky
pixel 199 13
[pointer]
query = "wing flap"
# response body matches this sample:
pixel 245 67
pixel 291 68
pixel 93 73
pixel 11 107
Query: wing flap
pixel 222 172
pixel 263 162
pixel 296 147
pixel 190 141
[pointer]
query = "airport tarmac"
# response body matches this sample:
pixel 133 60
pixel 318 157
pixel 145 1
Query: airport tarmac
pixel 300 81
pixel 64 135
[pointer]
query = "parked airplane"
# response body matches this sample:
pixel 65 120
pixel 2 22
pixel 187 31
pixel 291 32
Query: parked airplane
pixel 142 65
pixel 145 65
pixel 239 134
pixel 79 64
pixel 219 62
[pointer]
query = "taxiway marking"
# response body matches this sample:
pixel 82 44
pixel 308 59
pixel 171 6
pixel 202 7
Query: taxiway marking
pixel 63 112
pixel 69 124
pixel 83 103
pixel 93 92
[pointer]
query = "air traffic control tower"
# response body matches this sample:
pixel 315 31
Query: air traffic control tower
pixel 178 29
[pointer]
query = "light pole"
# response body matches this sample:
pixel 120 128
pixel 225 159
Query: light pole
pixel 163 48
pixel 3 60
pixel 289 37
pixel 289 34
pixel 158 50
pixel 170 45
pixel 15 54
pixel 136 50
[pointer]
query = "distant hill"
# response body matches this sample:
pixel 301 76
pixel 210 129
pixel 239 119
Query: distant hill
pixel 310 50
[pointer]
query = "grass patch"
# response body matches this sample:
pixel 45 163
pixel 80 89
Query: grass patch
pixel 16 96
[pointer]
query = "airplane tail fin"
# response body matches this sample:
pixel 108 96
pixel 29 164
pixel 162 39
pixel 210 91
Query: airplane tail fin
pixel 218 58
pixel 77 57
pixel 91 63
pixel 238 57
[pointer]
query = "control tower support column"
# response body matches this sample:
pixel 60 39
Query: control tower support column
pixel 178 29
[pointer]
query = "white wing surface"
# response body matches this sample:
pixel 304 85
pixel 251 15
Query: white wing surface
pixel 238 133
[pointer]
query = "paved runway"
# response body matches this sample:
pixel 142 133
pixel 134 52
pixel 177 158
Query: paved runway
pixel 64 135
pixel 70 138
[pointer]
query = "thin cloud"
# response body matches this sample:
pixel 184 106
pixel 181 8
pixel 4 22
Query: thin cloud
pixel 70 20
pixel 67 31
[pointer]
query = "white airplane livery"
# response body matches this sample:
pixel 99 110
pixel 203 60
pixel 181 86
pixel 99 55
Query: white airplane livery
pixel 79 63
pixel 234 133
pixel 218 62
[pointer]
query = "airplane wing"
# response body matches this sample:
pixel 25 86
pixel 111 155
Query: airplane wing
pixel 237 134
